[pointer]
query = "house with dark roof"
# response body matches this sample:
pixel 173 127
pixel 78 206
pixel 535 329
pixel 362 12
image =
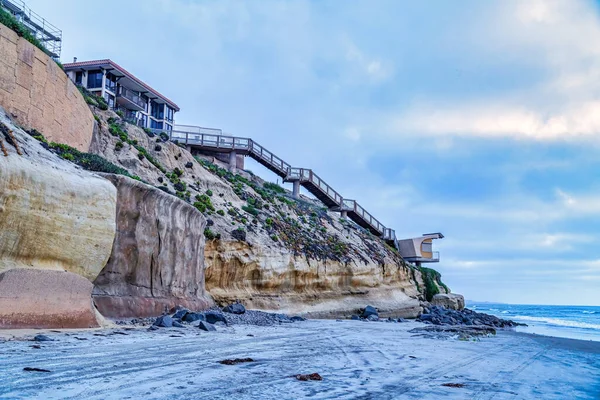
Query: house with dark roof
pixel 139 102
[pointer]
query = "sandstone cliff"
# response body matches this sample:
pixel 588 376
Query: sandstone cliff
pixel 53 217
pixel 263 247
pixel 157 260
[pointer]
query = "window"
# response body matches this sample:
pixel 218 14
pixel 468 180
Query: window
pixel 168 127
pixel 110 100
pixel 157 110
pixel 155 125
pixel 111 82
pixel 170 113
pixel 426 247
pixel 78 77
pixel 94 79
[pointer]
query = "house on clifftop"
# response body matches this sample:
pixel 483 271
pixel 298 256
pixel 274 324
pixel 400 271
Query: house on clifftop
pixel 140 103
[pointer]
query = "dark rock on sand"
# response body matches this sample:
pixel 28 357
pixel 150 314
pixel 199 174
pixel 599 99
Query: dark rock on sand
pixel 235 308
pixel 372 318
pixel 177 324
pixel 193 316
pixel 297 319
pixel 205 326
pixel 43 338
pixel 368 311
pixel 355 317
pixel 437 315
pixel 212 317
pixel 164 322
pixel 180 313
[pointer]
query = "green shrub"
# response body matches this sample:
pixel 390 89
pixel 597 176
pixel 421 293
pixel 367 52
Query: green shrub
pixel 120 113
pixel 274 238
pixel 432 279
pixel 221 212
pixel 250 209
pixel 158 165
pixel 209 235
pixel 209 192
pixel 205 201
pixel 118 146
pixel 200 206
pixel 269 221
pixel 88 161
pixel 273 187
pixel 102 104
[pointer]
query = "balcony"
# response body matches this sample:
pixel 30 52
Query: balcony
pixel 130 100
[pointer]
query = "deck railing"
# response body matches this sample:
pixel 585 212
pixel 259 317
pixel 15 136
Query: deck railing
pixel 48 34
pixel 212 140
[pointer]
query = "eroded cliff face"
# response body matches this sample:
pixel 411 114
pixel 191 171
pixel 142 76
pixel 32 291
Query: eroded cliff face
pixel 157 260
pixel 270 278
pixel 57 225
pixel 263 247
pixel 53 215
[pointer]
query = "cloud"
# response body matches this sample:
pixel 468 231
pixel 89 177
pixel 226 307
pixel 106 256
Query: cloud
pixel 500 120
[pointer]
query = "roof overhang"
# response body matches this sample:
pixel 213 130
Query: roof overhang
pixel 126 78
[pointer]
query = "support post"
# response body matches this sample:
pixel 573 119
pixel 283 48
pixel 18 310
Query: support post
pixel 296 189
pixel 344 214
pixel 232 162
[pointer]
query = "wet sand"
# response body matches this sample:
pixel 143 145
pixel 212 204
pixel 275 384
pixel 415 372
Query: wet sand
pixel 357 360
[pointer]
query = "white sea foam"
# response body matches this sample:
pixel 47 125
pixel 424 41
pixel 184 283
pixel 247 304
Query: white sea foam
pixel 505 312
pixel 558 322
pixel 588 312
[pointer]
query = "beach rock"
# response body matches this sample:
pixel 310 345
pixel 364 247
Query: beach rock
pixel 213 317
pixel 177 324
pixel 297 319
pixel 235 308
pixel 193 316
pixel 368 311
pixel 451 300
pixel 164 321
pixel 355 317
pixel 180 314
pixel 157 260
pixel 372 317
pixel 42 338
pixel 205 326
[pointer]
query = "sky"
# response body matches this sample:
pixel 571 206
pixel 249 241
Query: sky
pixel 477 119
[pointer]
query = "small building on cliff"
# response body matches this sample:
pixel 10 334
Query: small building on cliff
pixel 139 102
pixel 420 249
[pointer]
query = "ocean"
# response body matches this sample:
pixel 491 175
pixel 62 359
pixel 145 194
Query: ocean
pixel 574 322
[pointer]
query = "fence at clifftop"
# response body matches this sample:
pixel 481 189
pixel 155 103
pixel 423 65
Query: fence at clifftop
pixel 208 139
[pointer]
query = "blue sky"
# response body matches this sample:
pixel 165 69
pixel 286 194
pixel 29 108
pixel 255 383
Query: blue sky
pixel 479 119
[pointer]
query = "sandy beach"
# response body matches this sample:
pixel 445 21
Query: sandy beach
pixel 357 360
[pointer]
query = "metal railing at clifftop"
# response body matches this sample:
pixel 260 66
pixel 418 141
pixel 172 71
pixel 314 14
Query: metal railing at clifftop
pixel 208 139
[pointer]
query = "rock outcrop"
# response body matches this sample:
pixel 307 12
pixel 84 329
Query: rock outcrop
pixel 157 260
pixel 273 279
pixel 33 298
pixel 38 93
pixel 264 248
pixel 451 300
pixel 53 217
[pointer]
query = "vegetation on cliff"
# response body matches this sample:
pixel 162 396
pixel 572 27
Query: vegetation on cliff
pixel 88 161
pixel 242 208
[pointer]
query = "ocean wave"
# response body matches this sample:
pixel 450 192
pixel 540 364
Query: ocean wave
pixel 558 322
pixel 505 312
pixel 588 312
